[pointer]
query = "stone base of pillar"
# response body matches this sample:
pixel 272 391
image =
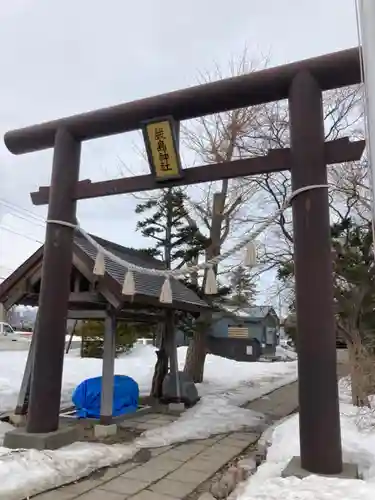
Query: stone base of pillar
pixel 349 471
pixel 103 431
pixel 176 407
pixel 19 438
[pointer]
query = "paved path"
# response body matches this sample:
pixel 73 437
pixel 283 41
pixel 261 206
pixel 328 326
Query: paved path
pixel 174 472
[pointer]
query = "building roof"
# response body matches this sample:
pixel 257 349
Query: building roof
pixel 147 287
pixel 145 284
pixel 255 313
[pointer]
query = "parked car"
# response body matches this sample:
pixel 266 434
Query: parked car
pixel 144 341
pixel 7 331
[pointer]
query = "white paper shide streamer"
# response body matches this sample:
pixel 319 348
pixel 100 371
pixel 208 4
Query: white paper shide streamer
pixel 99 267
pixel 250 255
pixel 211 285
pixel 166 292
pixel 166 295
pixel 128 288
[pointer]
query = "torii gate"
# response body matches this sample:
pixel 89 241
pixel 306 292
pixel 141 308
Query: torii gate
pixel 302 84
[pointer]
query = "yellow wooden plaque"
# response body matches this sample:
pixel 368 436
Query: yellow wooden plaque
pixel 162 149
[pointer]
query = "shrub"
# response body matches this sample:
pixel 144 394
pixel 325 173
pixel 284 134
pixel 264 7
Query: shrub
pixel 92 333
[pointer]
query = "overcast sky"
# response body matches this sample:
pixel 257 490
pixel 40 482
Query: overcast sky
pixel 63 57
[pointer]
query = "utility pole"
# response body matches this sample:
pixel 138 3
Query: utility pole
pixel 366 20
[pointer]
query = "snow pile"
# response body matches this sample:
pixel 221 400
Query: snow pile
pixel 241 381
pixel 27 472
pixel 139 364
pixel 227 385
pixel 286 353
pixel 212 415
pixel 358 447
pixel 4 428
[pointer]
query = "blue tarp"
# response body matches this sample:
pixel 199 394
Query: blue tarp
pixel 86 396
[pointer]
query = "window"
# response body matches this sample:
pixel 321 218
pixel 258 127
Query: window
pixel 8 329
pixel 238 332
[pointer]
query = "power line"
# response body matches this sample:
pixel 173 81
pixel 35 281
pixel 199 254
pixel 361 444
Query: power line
pixel 24 214
pixel 33 218
pixel 23 211
pixel 7 268
pixel 27 219
pixel 28 216
pixel 10 230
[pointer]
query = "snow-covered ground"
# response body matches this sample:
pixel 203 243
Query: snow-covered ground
pixel 358 441
pixel 286 353
pixel 227 384
pixel 221 375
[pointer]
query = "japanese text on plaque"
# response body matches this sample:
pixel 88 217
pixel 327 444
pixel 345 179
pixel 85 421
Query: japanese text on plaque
pixel 162 150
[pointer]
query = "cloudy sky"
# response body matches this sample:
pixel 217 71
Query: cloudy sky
pixel 68 56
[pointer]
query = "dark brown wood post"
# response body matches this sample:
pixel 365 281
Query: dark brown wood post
pixel 170 333
pixel 318 393
pixel 24 394
pixel 108 369
pixel 55 288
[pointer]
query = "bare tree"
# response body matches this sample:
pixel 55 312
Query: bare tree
pixel 254 131
pixel 218 208
pixel 342 115
pixel 224 206
pixel 349 195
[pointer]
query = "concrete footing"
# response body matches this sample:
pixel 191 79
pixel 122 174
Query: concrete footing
pixel 176 407
pixel 19 438
pixel 18 420
pixel 103 431
pixel 349 471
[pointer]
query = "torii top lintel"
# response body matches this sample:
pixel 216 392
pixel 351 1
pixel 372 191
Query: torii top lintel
pixel 331 71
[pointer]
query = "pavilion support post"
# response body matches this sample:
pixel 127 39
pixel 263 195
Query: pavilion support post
pixel 44 409
pixel 69 344
pixel 24 394
pixel 170 332
pixel 317 365
pixel 3 313
pixel 109 353
pixel 161 366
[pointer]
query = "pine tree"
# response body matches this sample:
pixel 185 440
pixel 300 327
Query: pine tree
pixel 354 277
pixel 354 295
pixel 175 241
pixel 243 287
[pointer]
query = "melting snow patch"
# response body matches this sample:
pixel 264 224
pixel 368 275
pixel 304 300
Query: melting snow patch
pixel 28 472
pixel 212 415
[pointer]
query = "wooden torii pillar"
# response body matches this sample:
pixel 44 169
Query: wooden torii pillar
pixel 317 370
pixel 302 83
